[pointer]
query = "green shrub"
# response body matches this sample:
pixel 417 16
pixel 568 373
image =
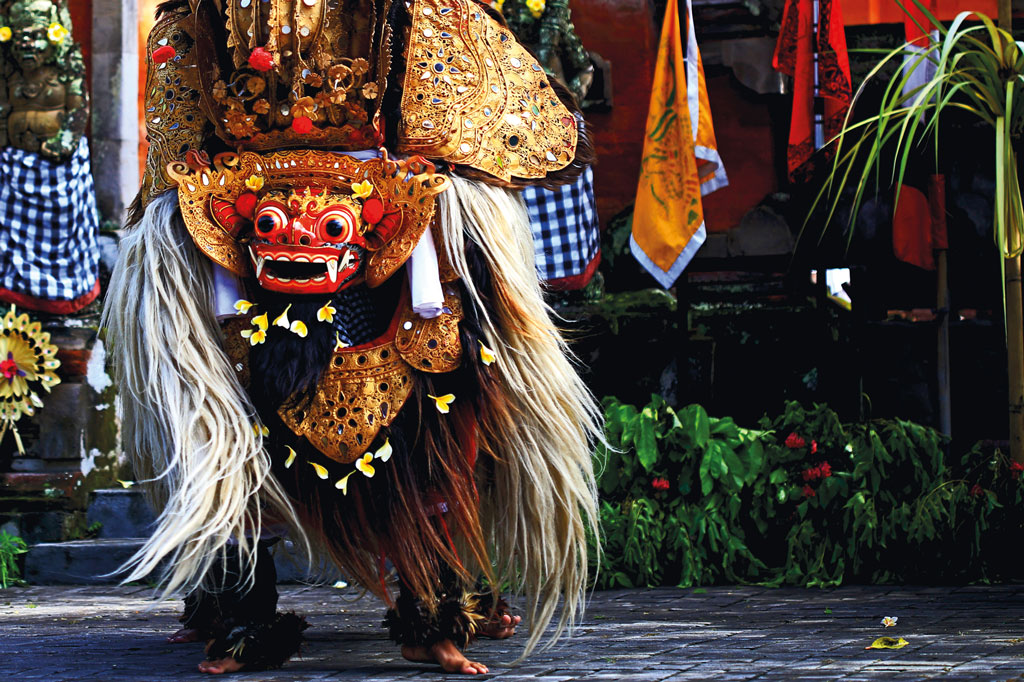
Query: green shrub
pixel 689 499
pixel 10 547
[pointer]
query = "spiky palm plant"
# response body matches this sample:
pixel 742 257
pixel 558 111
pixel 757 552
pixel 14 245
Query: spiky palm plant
pixel 976 68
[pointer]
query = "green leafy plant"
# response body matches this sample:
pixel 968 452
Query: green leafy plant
pixel 689 499
pixel 10 547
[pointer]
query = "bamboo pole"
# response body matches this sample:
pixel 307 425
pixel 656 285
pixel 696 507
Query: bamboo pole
pixel 1014 318
pixel 1015 358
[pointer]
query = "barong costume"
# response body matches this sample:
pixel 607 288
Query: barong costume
pixel 387 383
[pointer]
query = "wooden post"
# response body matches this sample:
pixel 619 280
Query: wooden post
pixel 1014 319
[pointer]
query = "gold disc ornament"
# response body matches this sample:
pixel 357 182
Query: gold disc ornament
pixel 27 364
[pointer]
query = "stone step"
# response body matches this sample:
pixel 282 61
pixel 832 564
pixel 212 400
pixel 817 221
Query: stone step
pixel 90 562
pixel 121 513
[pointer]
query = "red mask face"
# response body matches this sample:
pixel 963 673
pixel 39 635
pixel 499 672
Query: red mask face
pixel 308 243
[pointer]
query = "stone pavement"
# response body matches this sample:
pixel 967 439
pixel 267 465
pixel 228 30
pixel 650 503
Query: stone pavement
pixel 719 633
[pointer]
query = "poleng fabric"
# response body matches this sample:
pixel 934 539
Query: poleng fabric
pixel 680 160
pixel 566 232
pixel 812 49
pixel 49 257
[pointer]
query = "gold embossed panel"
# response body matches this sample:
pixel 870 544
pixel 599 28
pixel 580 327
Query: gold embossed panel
pixel 360 392
pixel 475 96
pixel 175 124
pixel 432 345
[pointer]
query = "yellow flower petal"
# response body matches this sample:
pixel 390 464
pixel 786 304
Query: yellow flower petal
pixel 338 343
pixel 260 430
pixel 384 453
pixel 299 327
pixel 5 34
pixel 291 458
pixel 443 402
pixel 342 483
pixel 125 484
pixel 326 314
pixel 242 306
pixel 261 322
pixel 320 471
pixel 361 190
pixel 363 465
pixel 888 643
pixel 254 182
pixel 257 337
pixel 282 319
pixel 487 355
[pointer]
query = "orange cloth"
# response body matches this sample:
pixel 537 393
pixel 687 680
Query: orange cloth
pixel 680 161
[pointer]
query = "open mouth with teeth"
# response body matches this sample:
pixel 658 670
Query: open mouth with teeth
pixel 306 269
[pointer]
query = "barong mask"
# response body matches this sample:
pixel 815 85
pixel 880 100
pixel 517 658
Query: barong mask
pixel 307 222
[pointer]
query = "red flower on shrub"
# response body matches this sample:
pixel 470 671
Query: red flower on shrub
pixel 976 490
pixel 660 484
pixel 823 470
pixel 794 441
pixel 1015 469
pixel 814 446
pixel 809 491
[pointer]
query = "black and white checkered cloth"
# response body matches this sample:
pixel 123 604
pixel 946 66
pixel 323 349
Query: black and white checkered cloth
pixel 566 231
pixel 48 225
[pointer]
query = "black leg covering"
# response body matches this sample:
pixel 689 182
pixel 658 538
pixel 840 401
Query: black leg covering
pixel 455 615
pixel 242 621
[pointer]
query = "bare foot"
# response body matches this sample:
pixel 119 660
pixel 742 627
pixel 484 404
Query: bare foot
pixel 185 636
pixel 224 665
pixel 445 654
pixel 500 628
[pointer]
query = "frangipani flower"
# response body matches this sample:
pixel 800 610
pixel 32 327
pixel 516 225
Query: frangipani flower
pixel 361 190
pixel 890 621
pixel 254 182
pixel 260 430
pixel 243 306
pixel 261 322
pixel 342 483
pixel 364 465
pixel 326 314
pixel 298 327
pixel 487 356
pixel 125 484
pixel 536 7
pixel 255 336
pixel 282 319
pixel 5 33
pixel 443 402
pixel 56 33
pixel 338 343
pixel 320 470
pixel 384 453
pixel 291 458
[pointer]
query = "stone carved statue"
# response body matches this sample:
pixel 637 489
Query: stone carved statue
pixel 44 106
pixel 49 259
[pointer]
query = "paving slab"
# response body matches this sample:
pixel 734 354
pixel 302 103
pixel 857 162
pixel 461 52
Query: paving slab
pixel 117 634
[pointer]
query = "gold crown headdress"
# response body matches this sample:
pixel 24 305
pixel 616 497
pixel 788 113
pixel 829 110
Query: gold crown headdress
pixel 264 75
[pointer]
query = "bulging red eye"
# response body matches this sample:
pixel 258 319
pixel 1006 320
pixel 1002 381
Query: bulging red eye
pixel 337 224
pixel 270 218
